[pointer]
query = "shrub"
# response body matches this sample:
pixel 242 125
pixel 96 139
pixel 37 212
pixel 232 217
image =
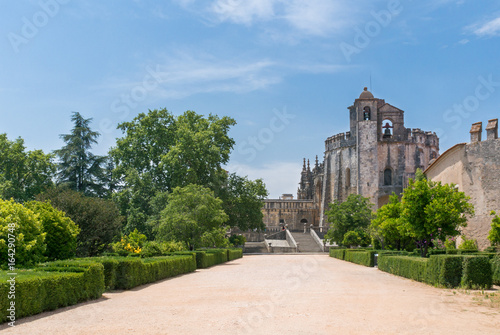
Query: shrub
pixel 21 235
pixel 337 253
pixel 444 270
pixel 409 267
pixel 476 272
pixel 467 244
pixel 154 248
pixel 362 257
pixel 98 219
pixel 494 234
pixel 131 243
pixel 61 231
pixel 237 240
pixel 234 254
pixel 50 287
pixel 495 268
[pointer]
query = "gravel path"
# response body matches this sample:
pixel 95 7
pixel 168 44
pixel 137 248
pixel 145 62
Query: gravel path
pixel 274 294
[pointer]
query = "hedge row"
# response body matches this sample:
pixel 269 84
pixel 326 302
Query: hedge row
pixel 495 268
pixel 441 270
pixel 358 256
pixel 40 290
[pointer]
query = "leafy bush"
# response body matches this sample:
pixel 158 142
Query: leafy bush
pixel 444 270
pixel 22 240
pixel 61 231
pixel 98 219
pixel 409 267
pixel 362 257
pixel 495 268
pixel 50 287
pixel 131 243
pixel 237 240
pixel 233 254
pixel 154 248
pixel 337 253
pixel 494 234
pixel 467 244
pixel 476 272
pixel 215 238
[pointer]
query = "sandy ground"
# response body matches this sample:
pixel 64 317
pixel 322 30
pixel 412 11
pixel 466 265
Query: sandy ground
pixel 274 294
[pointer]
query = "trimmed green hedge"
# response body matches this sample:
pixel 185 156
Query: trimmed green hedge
pixel 132 272
pixel 337 253
pixel 49 287
pixel 445 270
pixel 404 266
pixel 441 270
pixel 362 257
pixel 233 254
pixel 476 272
pixel 495 268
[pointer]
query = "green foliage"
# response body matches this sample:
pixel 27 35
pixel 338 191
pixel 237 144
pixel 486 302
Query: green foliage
pixel 468 244
pixel 61 232
pixel 131 243
pixel 495 268
pixel 450 244
pixel 388 228
pixel 98 219
pixel 154 248
pixel 50 287
pixel 404 266
pixel 237 240
pixel 362 257
pixel 494 234
pixel 160 152
pixel 355 238
pixel 477 272
pixel 337 253
pixel 233 254
pixel 23 174
pixel 191 211
pixel 444 270
pixel 242 202
pixel 352 214
pixel 433 211
pixel 215 238
pixel 78 168
pixel 22 240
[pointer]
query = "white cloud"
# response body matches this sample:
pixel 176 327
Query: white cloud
pixel 243 11
pixel 490 28
pixel 279 177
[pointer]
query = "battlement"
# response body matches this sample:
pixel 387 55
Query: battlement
pixel 491 131
pixel 417 135
pixel 339 140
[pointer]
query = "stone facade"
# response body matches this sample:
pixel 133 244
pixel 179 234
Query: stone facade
pixel 475 168
pixel 374 158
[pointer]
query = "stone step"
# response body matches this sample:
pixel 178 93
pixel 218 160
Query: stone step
pixel 306 242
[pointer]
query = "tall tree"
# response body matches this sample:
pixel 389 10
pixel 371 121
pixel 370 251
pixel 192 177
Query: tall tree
pixel 242 201
pixel 23 174
pixel 192 211
pixel 159 152
pixel 79 169
pixel 354 214
pixel 431 210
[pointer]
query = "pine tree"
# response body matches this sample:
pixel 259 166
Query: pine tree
pixel 78 168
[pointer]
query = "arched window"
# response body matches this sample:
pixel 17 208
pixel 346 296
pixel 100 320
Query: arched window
pixel 387 128
pixel 366 113
pixel 347 178
pixel 387 177
pixel 303 221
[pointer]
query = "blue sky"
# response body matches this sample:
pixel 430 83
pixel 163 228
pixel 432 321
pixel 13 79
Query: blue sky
pixel 285 70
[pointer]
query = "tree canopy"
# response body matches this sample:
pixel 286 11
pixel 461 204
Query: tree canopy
pixel 23 174
pixel 432 210
pixel 78 168
pixel 191 212
pixel 350 215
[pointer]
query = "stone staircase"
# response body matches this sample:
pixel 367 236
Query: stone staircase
pixel 306 242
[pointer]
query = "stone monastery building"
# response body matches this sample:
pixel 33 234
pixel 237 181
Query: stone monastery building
pixel 374 158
